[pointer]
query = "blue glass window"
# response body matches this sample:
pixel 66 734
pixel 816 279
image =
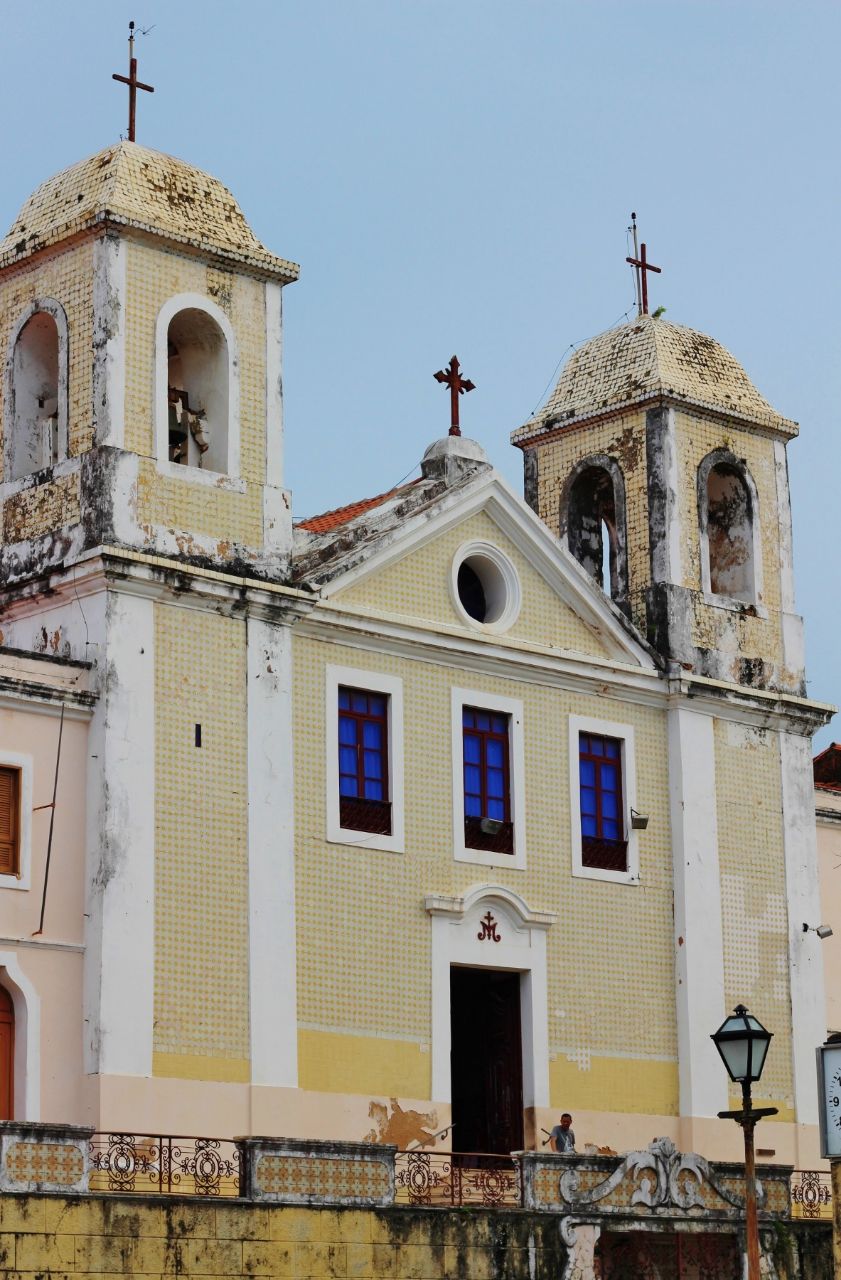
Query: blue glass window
pixel 363 745
pixel 600 779
pixel 486 770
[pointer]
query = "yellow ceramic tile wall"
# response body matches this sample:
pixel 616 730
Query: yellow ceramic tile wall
pixel 67 277
pixel 154 275
pixel 753 906
pixel 201 835
pixel 376 981
pixel 419 586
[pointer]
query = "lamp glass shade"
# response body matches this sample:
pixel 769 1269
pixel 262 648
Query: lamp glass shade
pixel 742 1042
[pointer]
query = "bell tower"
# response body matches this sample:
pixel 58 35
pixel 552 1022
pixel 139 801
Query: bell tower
pixel 142 396
pixel 663 470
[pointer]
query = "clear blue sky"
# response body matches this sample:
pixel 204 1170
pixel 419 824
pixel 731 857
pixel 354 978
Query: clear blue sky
pixel 457 175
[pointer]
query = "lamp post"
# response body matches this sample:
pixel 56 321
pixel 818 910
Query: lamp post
pixel 743 1042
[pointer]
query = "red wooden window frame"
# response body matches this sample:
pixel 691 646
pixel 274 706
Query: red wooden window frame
pixel 359 812
pixel 475 837
pixel 600 851
pixel 10 792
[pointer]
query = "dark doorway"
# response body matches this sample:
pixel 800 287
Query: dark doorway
pixel 7 1056
pixel 642 1255
pixel 486 1060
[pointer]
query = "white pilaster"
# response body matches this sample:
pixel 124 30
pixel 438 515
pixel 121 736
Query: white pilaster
pixel 699 950
pixel 274 386
pixel 120 925
pixel 277 513
pixel 805 959
pixel 109 344
pixel 271 856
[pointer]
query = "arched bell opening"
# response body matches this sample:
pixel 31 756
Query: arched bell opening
pixel 36 417
pixel 592 519
pixel 197 391
pixel 728 528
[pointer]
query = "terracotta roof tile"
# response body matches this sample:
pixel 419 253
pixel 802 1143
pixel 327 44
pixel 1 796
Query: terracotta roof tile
pixel 827 768
pixel 343 515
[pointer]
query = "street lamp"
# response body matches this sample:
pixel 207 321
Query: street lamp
pixel 743 1042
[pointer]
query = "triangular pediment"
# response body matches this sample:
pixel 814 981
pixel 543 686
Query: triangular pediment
pixel 409 571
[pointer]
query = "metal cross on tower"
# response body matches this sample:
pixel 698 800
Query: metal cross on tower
pixel 133 83
pixel 458 385
pixel 641 268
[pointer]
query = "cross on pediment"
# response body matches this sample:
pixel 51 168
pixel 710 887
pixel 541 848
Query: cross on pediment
pixel 458 386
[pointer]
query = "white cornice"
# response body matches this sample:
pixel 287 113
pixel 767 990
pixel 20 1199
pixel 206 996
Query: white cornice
pixel 501 658
pixel 156 578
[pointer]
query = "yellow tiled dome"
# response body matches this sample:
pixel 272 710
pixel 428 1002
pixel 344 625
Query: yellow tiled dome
pixel 130 185
pixel 644 360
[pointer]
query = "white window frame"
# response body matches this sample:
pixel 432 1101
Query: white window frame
pixel 229 479
pixel 15 760
pixel 625 734
pixel 392 687
pixel 513 708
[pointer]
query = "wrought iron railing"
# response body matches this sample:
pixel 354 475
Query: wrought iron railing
pixel 811 1194
pixel 149 1163
pixel 449 1179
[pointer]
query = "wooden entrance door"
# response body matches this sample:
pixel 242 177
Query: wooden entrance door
pixel 7 1056
pixel 486 1060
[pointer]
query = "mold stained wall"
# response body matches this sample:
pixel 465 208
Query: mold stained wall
pixel 154 275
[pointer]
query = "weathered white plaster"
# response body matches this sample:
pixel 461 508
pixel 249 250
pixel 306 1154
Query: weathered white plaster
pixel 785 541
pixel 625 734
pixel 672 568
pixel 27 1067
pixel 120 935
pixel 109 340
pixel 456 930
pixel 513 709
pixel 805 958
pixel 699 947
pixel 376 682
pixel 17 760
pixel 171 308
pixel 274 385
pixel 271 857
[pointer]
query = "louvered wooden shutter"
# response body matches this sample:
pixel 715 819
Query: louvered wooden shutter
pixel 9 821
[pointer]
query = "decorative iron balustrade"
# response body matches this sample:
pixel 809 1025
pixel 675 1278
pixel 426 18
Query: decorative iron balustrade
pixel 454 1179
pixel 811 1194
pixel 147 1163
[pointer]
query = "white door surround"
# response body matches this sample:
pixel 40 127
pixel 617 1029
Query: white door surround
pixel 491 927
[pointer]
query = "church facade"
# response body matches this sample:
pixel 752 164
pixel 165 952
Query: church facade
pixel 434 817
